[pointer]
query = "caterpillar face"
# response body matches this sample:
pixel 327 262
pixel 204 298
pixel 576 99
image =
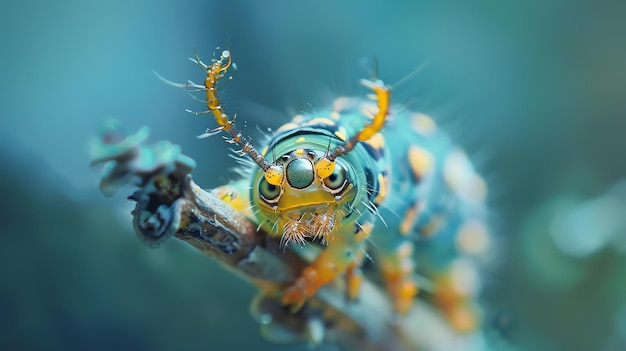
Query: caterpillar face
pixel 305 205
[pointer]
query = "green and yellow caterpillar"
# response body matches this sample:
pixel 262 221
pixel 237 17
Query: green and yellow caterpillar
pixel 364 178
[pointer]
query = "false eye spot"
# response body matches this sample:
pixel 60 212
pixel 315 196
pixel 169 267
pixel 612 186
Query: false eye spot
pixel 268 191
pixel 337 180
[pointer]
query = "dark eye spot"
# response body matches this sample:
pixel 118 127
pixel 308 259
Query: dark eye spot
pixel 268 191
pixel 337 180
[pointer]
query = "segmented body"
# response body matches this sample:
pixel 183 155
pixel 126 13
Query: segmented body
pixel 405 193
pixel 421 204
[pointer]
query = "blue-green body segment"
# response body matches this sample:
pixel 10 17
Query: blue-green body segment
pixel 412 201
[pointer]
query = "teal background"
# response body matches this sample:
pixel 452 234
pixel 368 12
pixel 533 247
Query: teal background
pixel 534 90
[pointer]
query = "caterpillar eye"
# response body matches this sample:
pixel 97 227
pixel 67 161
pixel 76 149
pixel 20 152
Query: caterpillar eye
pixel 268 191
pixel 337 180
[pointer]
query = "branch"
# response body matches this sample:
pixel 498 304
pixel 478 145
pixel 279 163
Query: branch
pixel 170 204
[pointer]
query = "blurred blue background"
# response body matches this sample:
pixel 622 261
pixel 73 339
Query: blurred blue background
pixel 534 90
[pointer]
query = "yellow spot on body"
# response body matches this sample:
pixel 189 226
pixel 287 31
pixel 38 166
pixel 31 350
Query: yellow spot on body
pixel 354 276
pixel 420 161
pixel 410 217
pixel 460 177
pixel 464 277
pixel 300 140
pixel 461 313
pixel 287 126
pixel 264 151
pixel 473 238
pixel 321 120
pixel 456 169
pixel 364 233
pixel 431 228
pixel 341 134
pixel 231 195
pixel 299 152
pixel 341 103
pixel 476 192
pixel 298 119
pixel 382 189
pixel 423 124
pixel 463 318
pixel 377 141
pixel 397 269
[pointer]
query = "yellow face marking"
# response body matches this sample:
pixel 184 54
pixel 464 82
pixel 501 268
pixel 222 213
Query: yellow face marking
pixel 410 217
pixel 274 175
pixel 324 167
pixel 423 124
pixel 420 161
pixel 299 152
pixel 294 199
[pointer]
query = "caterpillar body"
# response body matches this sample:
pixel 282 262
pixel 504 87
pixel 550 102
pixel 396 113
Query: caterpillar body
pixel 365 179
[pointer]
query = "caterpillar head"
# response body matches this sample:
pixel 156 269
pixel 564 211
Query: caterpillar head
pixel 307 197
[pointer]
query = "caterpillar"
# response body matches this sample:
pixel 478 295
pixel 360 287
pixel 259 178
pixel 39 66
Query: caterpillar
pixel 364 178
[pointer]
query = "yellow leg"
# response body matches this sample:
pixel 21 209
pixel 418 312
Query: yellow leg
pixel 333 261
pixel 354 277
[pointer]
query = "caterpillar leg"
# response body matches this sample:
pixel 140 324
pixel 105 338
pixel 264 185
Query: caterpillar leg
pixel 354 277
pixel 235 194
pixel 326 267
pixel 455 293
pixel 342 251
pixel 397 269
